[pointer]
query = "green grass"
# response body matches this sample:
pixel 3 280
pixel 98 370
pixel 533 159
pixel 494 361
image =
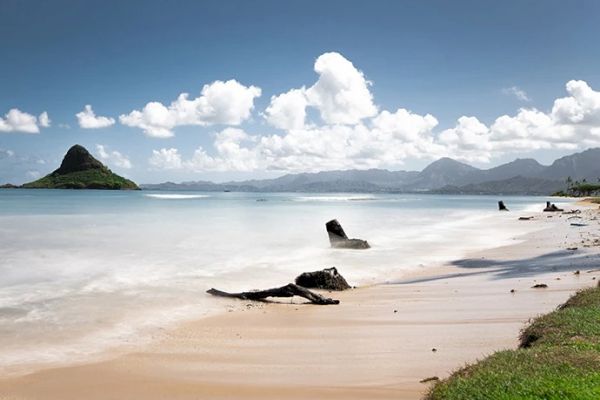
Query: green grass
pixel 559 359
pixel 89 179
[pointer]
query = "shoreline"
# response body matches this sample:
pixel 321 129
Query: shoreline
pixel 361 348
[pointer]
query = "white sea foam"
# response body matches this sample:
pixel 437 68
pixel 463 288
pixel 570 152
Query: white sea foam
pixel 175 196
pixel 336 198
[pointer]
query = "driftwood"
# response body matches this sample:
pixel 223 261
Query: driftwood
pixel 289 290
pixel 502 206
pixel 328 278
pixel 339 239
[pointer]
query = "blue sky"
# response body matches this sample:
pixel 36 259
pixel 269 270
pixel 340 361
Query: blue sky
pixel 465 64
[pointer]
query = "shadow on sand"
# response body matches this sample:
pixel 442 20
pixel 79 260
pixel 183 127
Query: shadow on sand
pixel 557 261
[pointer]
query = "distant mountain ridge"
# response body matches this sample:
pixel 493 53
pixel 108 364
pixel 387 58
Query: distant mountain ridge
pixel 521 176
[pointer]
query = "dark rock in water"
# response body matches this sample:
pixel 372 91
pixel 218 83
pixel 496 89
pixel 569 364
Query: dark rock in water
pixel 501 206
pixel 335 230
pixel 328 278
pixel 339 239
pixel 551 207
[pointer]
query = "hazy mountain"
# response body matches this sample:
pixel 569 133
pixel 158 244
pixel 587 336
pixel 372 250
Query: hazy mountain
pixel 518 185
pixel 375 178
pixel 442 172
pixel 521 176
pixel 578 166
pixel 526 167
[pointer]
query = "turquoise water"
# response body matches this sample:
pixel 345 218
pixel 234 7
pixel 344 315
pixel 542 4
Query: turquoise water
pixel 81 271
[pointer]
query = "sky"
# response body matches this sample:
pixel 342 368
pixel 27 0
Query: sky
pixel 229 90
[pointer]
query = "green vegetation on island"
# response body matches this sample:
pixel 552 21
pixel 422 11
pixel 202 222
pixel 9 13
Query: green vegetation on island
pixel 559 359
pixel 80 170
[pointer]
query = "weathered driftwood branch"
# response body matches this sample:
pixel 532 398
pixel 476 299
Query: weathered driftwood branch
pixel 288 290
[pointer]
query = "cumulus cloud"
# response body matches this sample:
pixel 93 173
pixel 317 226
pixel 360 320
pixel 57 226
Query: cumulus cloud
pixel 288 110
pixel 18 121
pixel 44 120
pixel 388 138
pixel 517 92
pixel 113 157
pixel 87 119
pixel 226 103
pixel 166 159
pixel 341 95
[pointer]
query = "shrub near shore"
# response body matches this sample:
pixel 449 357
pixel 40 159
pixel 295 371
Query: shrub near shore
pixel 559 359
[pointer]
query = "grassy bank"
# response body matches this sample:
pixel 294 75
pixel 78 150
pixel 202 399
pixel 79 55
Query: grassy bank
pixel 559 358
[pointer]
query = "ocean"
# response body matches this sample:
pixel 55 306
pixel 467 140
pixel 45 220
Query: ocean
pixel 84 271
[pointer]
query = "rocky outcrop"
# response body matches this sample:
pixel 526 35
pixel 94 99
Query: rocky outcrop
pixel 339 239
pixel 551 207
pixel 80 170
pixel 328 279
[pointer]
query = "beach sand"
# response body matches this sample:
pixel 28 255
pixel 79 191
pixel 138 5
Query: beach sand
pixel 377 344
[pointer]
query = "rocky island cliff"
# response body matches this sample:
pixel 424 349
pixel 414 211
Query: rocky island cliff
pixel 80 170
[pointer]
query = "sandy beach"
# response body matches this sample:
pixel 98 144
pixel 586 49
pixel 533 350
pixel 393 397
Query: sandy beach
pixel 379 343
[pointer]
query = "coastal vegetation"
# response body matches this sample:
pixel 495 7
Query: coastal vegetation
pixel 559 358
pixel 581 188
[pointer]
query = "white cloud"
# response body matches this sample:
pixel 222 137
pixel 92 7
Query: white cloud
pixel 517 92
pixel 226 103
pixel 341 95
pixel 351 132
pixel 18 121
pixel 166 159
pixel 113 157
pixel 288 110
pixel 582 107
pixel 87 119
pixel 468 140
pixel 44 120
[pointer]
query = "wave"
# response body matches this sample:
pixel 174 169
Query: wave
pixel 335 198
pixel 177 196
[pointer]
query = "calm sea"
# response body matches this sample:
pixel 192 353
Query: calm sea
pixel 81 271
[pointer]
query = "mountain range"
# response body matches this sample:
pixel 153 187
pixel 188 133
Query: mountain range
pixel 521 176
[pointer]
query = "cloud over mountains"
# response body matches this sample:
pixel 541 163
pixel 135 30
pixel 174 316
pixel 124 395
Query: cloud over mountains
pixel 353 133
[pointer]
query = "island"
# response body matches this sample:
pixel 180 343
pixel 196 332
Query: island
pixel 80 170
